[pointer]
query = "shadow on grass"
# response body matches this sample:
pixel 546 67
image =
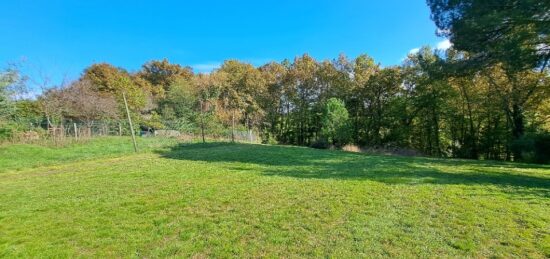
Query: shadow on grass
pixel 302 162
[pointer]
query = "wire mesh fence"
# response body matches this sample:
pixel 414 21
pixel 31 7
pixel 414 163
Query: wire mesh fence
pixel 77 130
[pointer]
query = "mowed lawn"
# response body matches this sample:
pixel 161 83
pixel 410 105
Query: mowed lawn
pixel 98 199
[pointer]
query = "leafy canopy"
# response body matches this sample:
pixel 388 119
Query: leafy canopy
pixel 493 31
pixel 336 122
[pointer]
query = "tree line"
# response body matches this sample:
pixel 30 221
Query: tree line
pixel 487 97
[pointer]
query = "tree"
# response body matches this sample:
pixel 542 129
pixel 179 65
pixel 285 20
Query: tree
pixel 272 102
pixel 178 106
pixel 515 33
pixel 516 92
pixel 378 94
pixel 336 122
pixel 162 74
pixel 429 90
pixel 432 103
pixel 52 105
pixel 82 103
pixel 507 34
pixel 6 103
pixel 363 69
pixel 27 111
pixel 242 88
pixel 207 94
pixel 180 99
pixel 11 82
pixel 303 92
pixel 113 81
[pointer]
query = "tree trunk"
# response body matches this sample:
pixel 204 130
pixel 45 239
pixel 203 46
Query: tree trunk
pixel 518 128
pixel 435 121
pixel 473 142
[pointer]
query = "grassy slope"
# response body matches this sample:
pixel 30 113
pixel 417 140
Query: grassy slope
pixel 18 157
pixel 252 200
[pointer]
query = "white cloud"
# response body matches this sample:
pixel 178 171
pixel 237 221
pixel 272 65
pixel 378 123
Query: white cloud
pixel 205 68
pixel 444 45
pixel 414 51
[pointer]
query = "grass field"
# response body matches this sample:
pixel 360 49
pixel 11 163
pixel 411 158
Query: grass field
pixel 98 199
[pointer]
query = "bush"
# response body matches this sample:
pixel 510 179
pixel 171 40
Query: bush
pixel 9 130
pixel 6 133
pixel 321 143
pixel 335 120
pixel 268 139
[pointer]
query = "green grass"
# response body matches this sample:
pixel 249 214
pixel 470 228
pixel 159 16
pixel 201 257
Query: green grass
pixel 242 200
pixel 21 156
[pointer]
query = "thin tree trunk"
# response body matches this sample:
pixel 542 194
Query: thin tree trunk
pixel 518 128
pixel 473 151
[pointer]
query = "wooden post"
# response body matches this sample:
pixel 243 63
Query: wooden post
pixel 202 124
pixel 119 129
pixel 249 129
pixel 75 131
pixel 130 121
pixel 233 126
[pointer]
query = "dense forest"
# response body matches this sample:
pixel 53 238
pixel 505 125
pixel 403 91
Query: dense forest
pixel 487 97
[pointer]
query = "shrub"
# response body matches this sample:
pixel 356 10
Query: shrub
pixel 10 130
pixel 6 133
pixel 336 128
pixel 321 143
pixel 268 139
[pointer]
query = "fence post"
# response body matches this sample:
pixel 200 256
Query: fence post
pixel 202 124
pixel 130 121
pixel 233 126
pixel 119 129
pixel 75 131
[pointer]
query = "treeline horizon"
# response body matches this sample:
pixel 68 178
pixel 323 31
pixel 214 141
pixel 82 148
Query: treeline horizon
pixel 413 105
pixel 487 97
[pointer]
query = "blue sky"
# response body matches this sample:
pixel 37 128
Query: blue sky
pixel 60 38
